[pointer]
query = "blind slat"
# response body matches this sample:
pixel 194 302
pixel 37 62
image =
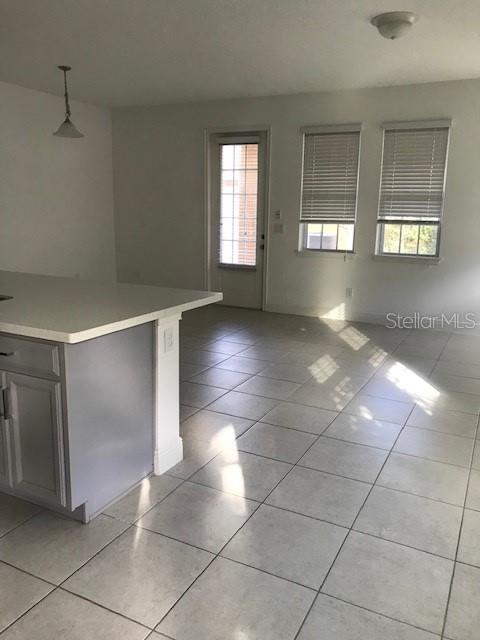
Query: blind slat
pixel 330 170
pixel 413 173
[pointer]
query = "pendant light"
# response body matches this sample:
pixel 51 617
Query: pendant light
pixel 67 129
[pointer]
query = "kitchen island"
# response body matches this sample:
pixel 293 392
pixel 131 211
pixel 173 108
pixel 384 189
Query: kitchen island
pixel 89 387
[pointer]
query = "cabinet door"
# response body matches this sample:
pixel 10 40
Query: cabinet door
pixel 5 471
pixel 35 418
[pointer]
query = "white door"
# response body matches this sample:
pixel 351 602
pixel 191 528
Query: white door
pixel 237 231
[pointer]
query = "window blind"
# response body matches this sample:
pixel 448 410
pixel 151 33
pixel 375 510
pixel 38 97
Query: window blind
pixel 413 174
pixel 330 174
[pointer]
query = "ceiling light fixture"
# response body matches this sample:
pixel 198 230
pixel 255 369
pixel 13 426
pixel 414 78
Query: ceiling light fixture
pixel 394 24
pixel 67 129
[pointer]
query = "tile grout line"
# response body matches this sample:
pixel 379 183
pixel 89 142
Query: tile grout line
pixel 59 587
pixel 218 555
pixel 251 515
pixel 328 473
pixel 446 433
pixel 207 407
pixel 447 603
pixel 381 615
pixel 348 533
pixel 310 517
pixel 28 573
pixel 448 464
pixel 134 524
pixel 458 541
pixel 299 404
pixel 270 363
pixel 61 583
pixel 23 521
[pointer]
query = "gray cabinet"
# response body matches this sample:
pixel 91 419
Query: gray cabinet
pixel 76 420
pixel 36 437
pixel 32 461
pixel 5 467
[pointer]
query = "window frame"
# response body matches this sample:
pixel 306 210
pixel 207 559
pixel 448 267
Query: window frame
pixel 303 224
pixel 304 238
pixel 380 224
pixel 421 223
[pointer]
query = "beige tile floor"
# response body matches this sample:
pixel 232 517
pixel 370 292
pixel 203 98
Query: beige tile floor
pixel 330 489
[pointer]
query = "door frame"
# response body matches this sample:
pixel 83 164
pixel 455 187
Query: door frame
pixel 209 132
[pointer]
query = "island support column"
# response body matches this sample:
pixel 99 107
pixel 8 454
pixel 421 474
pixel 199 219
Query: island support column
pixel 168 443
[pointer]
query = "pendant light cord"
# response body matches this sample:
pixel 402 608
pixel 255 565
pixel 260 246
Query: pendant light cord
pixel 67 103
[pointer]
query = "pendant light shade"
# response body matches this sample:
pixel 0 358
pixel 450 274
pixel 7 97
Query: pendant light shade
pixel 67 129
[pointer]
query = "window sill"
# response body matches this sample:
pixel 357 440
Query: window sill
pixel 318 253
pixel 428 260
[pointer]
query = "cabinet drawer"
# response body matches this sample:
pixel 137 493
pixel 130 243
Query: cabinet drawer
pixel 26 355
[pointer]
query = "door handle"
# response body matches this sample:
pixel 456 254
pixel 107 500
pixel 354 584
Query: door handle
pixel 2 405
pixel 6 404
pixel 7 354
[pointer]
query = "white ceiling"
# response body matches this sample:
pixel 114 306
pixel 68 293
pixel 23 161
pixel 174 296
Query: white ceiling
pixel 143 52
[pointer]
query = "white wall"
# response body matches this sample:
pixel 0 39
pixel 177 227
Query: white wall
pixel 159 196
pixel 56 194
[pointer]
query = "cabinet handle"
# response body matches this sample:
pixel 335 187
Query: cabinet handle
pixel 7 354
pixel 6 404
pixel 2 405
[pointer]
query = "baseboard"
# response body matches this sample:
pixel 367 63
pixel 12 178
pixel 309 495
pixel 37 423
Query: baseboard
pixel 168 458
pixel 327 313
pixel 349 315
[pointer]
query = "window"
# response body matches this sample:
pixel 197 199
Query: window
pixel 238 204
pixel 412 188
pixel 329 188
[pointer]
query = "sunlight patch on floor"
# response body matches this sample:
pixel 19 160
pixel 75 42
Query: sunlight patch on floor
pixel 365 412
pixel 419 389
pixel 354 338
pixel 232 479
pixel 144 497
pixel 323 368
pixel 377 356
pixel 333 316
pixel 224 438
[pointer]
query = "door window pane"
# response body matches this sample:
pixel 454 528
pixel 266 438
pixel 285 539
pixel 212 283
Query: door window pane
pixel 238 204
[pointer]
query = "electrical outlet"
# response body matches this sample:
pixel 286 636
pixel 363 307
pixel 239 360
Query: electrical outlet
pixel 168 339
pixel 349 292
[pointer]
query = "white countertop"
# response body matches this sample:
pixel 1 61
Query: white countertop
pixel 73 310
